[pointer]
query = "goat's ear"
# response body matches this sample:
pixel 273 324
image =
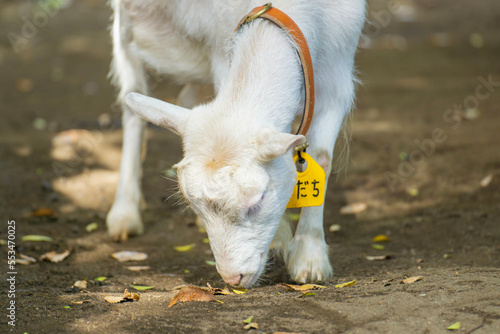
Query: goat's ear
pixel 161 113
pixel 272 144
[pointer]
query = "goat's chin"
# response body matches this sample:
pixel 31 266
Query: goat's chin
pixel 250 279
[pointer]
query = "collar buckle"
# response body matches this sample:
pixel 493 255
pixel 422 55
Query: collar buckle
pixel 302 147
pixel 259 13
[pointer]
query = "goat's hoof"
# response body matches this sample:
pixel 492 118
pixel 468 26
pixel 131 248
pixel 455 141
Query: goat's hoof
pixel 123 222
pixel 307 260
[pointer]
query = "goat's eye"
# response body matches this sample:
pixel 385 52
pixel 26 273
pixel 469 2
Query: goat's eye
pixel 254 209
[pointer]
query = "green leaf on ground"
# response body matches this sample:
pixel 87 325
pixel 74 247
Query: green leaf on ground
pixel 36 238
pixel 141 287
pixel 185 248
pixel 91 227
pixel 308 293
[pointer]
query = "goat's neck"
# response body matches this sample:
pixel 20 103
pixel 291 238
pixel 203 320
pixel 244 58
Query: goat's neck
pixel 264 83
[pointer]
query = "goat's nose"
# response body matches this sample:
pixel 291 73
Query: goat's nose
pixel 233 280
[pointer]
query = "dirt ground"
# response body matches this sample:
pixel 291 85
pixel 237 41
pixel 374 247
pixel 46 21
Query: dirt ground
pixel 419 159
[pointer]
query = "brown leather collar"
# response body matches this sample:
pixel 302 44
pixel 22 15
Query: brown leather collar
pixel 288 25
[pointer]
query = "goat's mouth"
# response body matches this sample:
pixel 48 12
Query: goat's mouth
pixel 248 280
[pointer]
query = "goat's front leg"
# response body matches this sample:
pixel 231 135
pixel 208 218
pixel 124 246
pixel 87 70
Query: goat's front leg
pixel 307 255
pixel 124 218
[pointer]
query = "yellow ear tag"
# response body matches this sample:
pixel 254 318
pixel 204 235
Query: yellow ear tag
pixel 310 187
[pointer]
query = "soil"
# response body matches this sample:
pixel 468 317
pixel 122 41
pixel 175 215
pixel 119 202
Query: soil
pixel 415 163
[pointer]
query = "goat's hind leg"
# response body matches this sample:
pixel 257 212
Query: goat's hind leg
pixel 124 218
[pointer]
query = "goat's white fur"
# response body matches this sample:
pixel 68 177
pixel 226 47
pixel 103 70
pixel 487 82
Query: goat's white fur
pixel 237 172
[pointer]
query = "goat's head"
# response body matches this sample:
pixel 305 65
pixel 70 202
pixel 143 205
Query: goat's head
pixel 235 175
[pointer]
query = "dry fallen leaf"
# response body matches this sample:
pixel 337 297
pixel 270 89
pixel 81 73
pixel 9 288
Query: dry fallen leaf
pixel 378 258
pixel 217 291
pixel 114 299
pixel 455 326
pixel 79 302
pixel 130 295
pixel 138 268
pixel 304 287
pixel 178 287
pixel 387 282
pixel 334 228
pixel 125 256
pixel 252 325
pixel 412 279
pixel 80 284
pixel 191 293
pixel 127 296
pixel 25 260
pixel 343 285
pixel 353 208
pixel 70 137
pixel 55 257
pixel 412 191
pixel 381 238
pixel 44 212
pixel 185 248
pixel 240 291
pixel 486 181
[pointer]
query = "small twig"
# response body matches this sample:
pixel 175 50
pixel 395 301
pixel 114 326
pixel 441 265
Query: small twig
pixel 474 329
pixel 56 291
pixel 95 300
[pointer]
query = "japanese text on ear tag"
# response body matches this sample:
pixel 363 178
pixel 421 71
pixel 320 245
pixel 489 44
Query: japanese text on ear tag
pixel 310 187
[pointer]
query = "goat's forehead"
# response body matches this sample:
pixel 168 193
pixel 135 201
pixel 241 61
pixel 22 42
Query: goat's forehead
pixel 220 181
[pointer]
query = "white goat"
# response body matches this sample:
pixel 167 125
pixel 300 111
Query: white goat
pixel 237 173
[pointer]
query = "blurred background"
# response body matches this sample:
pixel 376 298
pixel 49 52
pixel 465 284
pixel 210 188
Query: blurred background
pixel 424 162
pixel 417 60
